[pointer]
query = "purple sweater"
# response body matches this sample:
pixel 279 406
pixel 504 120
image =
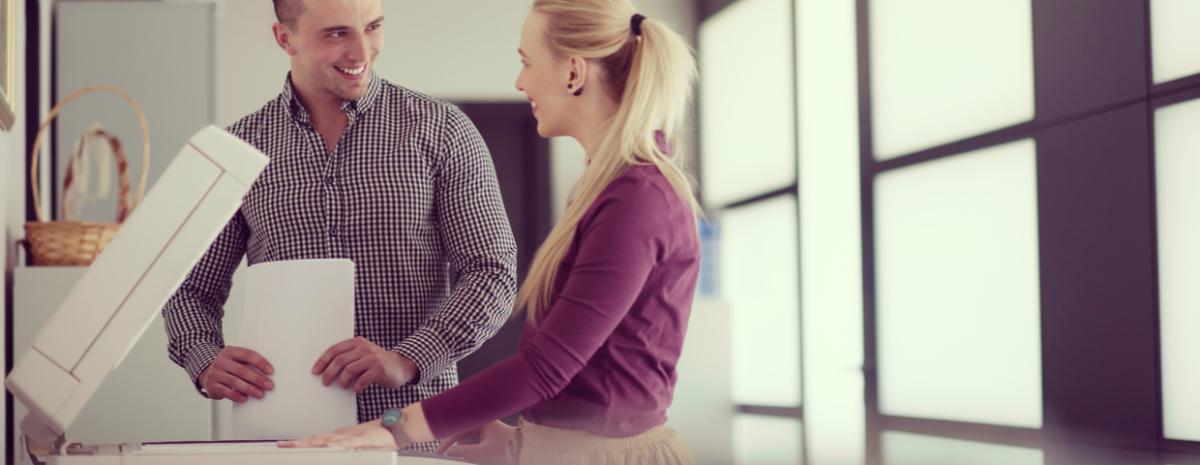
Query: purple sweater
pixel 603 357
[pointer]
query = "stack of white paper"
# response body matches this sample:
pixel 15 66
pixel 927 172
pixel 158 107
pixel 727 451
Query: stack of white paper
pixel 295 310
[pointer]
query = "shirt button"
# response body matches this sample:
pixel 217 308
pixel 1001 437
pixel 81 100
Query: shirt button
pixel 333 232
pixel 329 181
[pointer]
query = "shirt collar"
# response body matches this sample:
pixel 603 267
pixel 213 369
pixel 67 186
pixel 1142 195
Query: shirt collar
pixel 352 108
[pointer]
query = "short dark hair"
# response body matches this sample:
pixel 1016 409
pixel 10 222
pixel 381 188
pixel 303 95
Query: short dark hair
pixel 288 11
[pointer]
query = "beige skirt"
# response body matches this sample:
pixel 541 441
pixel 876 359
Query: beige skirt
pixel 542 445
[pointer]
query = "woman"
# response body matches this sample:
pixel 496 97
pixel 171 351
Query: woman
pixel 608 294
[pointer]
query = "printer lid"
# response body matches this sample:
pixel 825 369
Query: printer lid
pixel 127 285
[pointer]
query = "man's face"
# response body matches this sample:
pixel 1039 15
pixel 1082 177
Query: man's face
pixel 333 46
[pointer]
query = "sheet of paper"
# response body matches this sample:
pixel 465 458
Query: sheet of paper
pixel 295 310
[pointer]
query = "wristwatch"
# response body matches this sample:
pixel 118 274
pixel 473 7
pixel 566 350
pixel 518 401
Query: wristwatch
pixel 393 420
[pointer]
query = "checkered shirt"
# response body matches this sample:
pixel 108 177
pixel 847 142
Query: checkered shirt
pixel 408 194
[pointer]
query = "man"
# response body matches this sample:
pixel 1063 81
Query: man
pixel 366 170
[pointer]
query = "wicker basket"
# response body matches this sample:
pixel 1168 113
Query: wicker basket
pixel 77 243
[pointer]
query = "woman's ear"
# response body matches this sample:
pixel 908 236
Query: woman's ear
pixel 577 78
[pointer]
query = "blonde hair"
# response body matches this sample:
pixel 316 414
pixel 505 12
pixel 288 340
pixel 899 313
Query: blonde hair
pixel 651 75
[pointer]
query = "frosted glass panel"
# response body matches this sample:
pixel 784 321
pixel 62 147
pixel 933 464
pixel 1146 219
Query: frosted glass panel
pixel 942 70
pixel 759 279
pixel 747 143
pixel 760 440
pixel 957 303
pixel 1173 36
pixel 1178 182
pixel 830 233
pixel 915 449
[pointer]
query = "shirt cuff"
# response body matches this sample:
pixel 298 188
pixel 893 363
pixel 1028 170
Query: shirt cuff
pixel 427 352
pixel 198 360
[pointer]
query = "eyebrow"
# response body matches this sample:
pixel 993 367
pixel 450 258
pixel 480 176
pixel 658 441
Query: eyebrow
pixel 346 28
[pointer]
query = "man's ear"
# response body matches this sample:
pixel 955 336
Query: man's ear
pixel 283 37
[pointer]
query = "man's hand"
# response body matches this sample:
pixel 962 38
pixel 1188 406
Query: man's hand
pixel 357 363
pixel 237 374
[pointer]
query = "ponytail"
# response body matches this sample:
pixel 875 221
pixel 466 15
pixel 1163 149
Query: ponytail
pixel 651 71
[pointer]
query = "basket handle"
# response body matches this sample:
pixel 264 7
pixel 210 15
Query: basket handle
pixel 124 201
pixel 37 142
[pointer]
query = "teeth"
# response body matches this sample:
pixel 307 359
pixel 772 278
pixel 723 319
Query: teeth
pixel 352 71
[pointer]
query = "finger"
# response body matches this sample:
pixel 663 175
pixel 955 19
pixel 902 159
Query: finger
pixel 335 438
pixel 228 392
pixel 245 355
pixel 335 367
pixel 241 386
pixel 331 352
pixel 311 441
pixel 216 391
pixel 465 437
pixel 252 376
pixel 353 372
pixel 366 380
pixel 348 442
pixel 472 452
pixel 450 442
pixel 364 440
pixel 323 361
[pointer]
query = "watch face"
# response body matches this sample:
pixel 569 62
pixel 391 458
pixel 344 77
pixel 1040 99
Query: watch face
pixel 390 417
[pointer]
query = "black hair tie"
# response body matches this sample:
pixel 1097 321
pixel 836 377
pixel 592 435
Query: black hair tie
pixel 636 24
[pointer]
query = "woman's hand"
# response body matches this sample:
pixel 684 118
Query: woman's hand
pixel 487 445
pixel 369 435
pixel 372 434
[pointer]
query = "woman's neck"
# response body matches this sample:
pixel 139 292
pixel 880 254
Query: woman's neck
pixel 594 122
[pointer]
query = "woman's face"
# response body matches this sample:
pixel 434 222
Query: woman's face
pixel 543 78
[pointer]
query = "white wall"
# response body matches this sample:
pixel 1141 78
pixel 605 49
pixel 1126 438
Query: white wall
pixel 452 49
pixel 458 50
pixel 250 67
pixel 455 50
